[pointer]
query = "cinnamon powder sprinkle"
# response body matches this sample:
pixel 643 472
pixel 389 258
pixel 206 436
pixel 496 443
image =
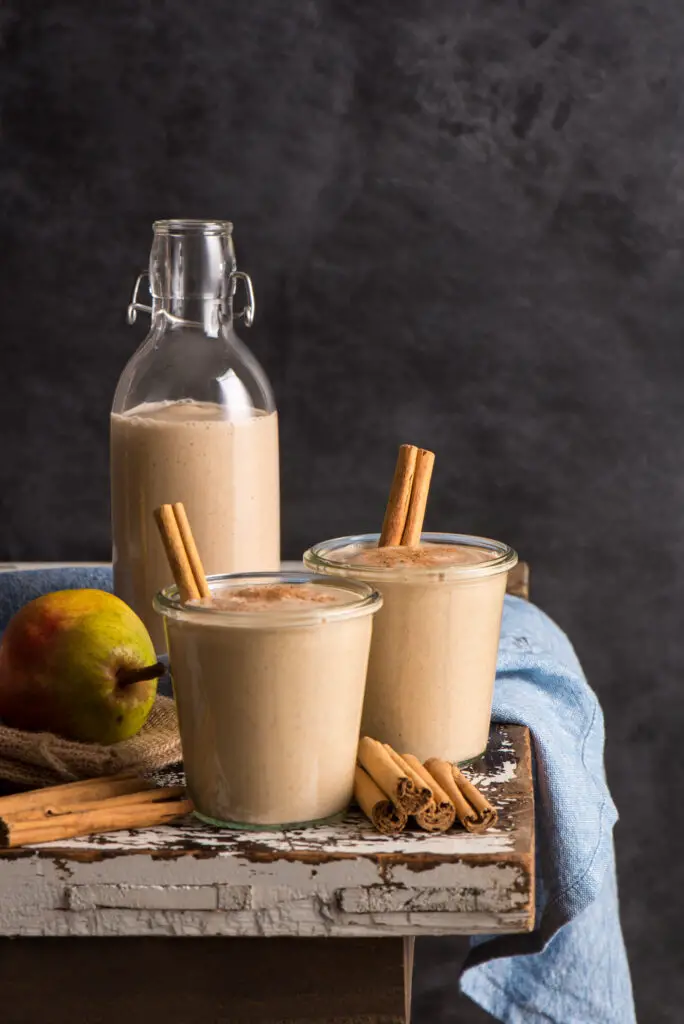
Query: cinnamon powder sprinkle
pixel 268 595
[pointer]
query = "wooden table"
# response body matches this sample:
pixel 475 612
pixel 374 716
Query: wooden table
pixel 261 903
pixel 366 895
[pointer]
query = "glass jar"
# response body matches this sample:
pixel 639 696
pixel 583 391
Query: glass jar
pixel 435 641
pixel 269 680
pixel 193 420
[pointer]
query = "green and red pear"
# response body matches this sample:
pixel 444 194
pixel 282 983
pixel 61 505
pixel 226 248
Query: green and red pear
pixel 78 663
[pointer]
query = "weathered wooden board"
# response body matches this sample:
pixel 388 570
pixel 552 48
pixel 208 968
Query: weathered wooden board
pixel 342 879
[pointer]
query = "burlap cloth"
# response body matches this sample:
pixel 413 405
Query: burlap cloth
pixel 41 759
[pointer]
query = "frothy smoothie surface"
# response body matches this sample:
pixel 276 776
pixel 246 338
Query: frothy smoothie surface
pixel 277 597
pixel 424 556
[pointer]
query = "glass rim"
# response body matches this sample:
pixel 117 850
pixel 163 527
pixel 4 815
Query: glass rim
pixel 182 225
pixel 317 559
pixel 168 604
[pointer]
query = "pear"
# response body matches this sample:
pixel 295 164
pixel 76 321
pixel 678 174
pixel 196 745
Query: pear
pixel 78 663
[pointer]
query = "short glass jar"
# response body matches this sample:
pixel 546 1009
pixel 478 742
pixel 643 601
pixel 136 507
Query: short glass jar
pixel 269 680
pixel 433 655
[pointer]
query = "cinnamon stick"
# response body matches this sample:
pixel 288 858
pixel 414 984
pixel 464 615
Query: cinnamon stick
pixel 85 791
pixel 439 814
pixel 423 788
pixel 441 772
pixel 392 780
pixel 375 805
pixel 177 555
pixel 191 549
pixel 154 795
pixel 413 528
pixel 487 814
pixel 471 820
pixel 101 818
pixel 399 497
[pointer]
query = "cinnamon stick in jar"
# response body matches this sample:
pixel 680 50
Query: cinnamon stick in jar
pixel 191 551
pixel 415 516
pixel 399 497
pixel 181 552
pixel 176 554
pixel 403 522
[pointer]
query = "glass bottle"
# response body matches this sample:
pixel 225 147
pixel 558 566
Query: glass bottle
pixel 193 420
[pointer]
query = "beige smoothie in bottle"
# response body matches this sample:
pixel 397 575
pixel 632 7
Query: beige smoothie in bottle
pixel 193 421
pixel 226 474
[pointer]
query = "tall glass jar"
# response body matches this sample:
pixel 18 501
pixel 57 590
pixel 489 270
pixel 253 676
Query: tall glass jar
pixel 193 420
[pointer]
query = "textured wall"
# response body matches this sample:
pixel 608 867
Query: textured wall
pixel 464 225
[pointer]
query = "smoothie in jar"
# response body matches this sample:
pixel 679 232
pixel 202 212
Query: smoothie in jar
pixel 269 678
pixel 435 641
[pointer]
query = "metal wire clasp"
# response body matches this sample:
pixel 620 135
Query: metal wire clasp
pixel 134 306
pixel 247 313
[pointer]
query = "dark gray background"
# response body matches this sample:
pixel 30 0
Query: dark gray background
pixel 464 224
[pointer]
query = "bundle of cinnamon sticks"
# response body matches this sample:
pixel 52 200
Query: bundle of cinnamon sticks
pixel 91 806
pixel 181 551
pixel 390 788
pixel 403 522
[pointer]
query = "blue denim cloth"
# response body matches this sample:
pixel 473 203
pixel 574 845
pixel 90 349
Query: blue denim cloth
pixel 18 587
pixel 572 969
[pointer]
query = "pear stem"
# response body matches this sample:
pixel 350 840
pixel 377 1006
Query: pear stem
pixel 126 677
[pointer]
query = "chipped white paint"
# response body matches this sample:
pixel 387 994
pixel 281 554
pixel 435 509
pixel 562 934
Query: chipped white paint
pixel 141 897
pixel 234 897
pixel 477 894
pixel 352 836
pixel 228 895
pixel 295 899
pixel 338 879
